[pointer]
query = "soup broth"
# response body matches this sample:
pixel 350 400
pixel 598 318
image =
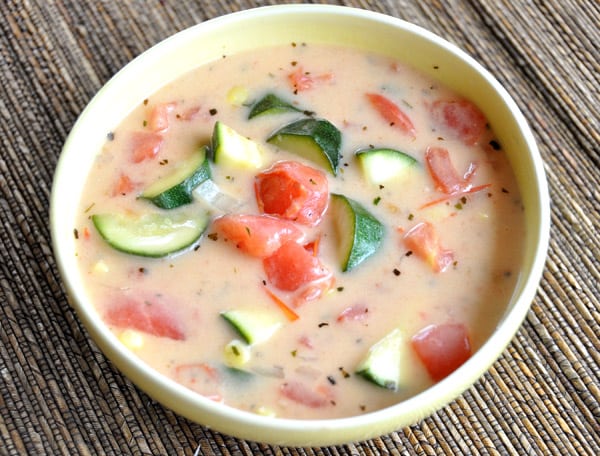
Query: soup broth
pixel 433 284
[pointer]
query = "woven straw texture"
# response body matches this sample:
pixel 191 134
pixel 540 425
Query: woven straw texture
pixel 60 396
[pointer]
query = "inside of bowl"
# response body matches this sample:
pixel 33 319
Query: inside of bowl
pixel 266 27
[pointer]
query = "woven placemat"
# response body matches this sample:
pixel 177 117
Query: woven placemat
pixel 60 396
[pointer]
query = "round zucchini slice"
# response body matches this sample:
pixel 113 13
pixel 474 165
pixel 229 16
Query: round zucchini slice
pixel 151 235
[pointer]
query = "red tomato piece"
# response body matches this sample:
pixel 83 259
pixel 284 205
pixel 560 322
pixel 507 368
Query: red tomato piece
pixel 202 378
pixel 356 312
pixel 158 119
pixel 392 113
pixel 257 235
pixel 303 80
pixel 145 145
pixel 445 176
pixel 302 394
pixel 442 348
pixel 145 314
pixel 124 185
pixel 423 241
pixel 293 191
pixel 292 266
pixel 461 118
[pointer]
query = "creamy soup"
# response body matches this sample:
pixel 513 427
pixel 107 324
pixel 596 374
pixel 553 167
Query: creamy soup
pixel 276 308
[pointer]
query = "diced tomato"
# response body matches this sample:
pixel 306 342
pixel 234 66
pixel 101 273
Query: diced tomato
pixel 190 113
pixel 293 191
pixel 314 290
pixel 302 394
pixel 124 185
pixel 257 235
pixel 445 176
pixel 151 315
pixel 442 348
pixel 158 119
pixel 356 312
pixel 291 267
pixel 392 113
pixel 461 118
pixel 423 241
pixel 145 145
pixel 200 377
pixel 303 80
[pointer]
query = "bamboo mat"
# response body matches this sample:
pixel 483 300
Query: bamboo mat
pixel 58 393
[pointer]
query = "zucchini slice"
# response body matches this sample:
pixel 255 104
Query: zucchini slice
pixel 229 148
pixel 382 364
pixel 151 235
pixel 382 164
pixel 359 233
pixel 317 140
pixel 271 104
pixel 175 189
pixel 254 326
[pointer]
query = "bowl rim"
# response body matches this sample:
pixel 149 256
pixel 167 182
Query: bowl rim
pixel 300 432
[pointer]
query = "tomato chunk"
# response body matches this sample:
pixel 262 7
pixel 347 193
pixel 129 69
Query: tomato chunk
pixel 158 119
pixel 460 118
pixel 302 394
pixel 145 145
pixel 423 241
pixel 257 235
pixel 442 348
pixel 392 113
pixel 356 312
pixel 123 186
pixel 303 80
pixel 146 314
pixel 445 176
pixel 292 266
pixel 293 191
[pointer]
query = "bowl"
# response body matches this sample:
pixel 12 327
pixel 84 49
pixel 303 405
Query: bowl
pixel 273 25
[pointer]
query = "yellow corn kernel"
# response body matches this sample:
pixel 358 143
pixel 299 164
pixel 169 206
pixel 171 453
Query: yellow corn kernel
pixel 237 95
pixel 100 267
pixel 237 353
pixel 264 411
pixel 131 339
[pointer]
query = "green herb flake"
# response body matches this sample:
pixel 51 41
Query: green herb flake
pixel 377 200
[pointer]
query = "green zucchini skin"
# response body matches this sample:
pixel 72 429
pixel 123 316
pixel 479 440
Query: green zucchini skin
pixel 360 235
pixel 176 189
pixel 151 235
pixel 271 104
pixel 317 140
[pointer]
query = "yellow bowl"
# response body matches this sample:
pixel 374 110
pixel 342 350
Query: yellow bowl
pixel 268 26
